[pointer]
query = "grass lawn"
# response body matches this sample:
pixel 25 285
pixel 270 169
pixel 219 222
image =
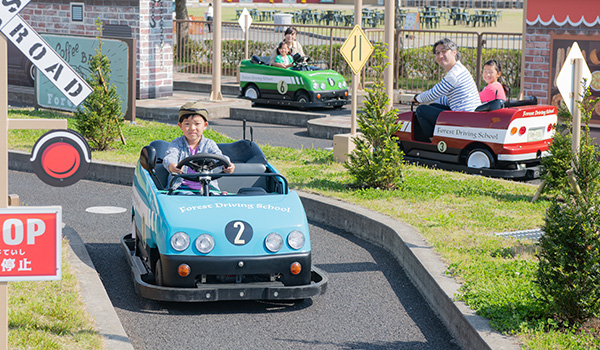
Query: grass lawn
pixel 50 314
pixel 457 214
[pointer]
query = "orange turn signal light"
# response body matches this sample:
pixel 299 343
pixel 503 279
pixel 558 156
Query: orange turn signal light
pixel 295 268
pixel 184 270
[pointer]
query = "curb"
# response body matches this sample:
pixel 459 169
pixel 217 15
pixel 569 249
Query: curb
pixel 423 266
pixel 94 295
pixel 274 116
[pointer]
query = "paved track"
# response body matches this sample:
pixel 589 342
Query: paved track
pixel 369 304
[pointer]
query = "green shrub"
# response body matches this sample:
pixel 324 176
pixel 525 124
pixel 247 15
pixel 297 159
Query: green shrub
pixel 377 160
pixel 569 259
pixel 554 173
pixel 101 115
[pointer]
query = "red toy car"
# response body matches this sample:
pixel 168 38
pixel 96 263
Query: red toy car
pixel 506 142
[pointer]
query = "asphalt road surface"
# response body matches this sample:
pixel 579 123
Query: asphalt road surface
pixel 369 303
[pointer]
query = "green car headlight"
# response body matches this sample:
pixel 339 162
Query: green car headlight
pixel 323 86
pixel 315 85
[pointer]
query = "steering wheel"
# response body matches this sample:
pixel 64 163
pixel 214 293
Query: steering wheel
pixel 202 162
pixel 300 59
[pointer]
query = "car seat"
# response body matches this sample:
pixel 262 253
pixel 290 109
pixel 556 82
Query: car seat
pixel 151 159
pixel 248 158
pixel 257 60
pixel 491 106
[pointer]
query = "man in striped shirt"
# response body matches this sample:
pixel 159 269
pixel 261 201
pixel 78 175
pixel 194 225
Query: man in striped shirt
pixel 456 91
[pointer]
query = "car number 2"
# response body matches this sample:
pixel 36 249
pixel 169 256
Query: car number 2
pixel 238 232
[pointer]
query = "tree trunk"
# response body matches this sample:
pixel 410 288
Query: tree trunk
pixel 183 30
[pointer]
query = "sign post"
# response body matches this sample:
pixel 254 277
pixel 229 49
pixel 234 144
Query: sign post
pixel 245 21
pixel 569 83
pixel 74 88
pixel 356 50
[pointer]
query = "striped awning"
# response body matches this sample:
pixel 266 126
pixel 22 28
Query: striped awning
pixel 562 12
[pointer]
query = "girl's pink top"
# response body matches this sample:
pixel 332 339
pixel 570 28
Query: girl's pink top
pixel 491 92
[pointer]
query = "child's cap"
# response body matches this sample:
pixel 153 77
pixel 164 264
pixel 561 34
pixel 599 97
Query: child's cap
pixel 192 108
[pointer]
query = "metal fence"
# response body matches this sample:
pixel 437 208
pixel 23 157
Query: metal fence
pixel 415 67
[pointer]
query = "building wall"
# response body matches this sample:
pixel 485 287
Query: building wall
pixel 538 56
pixel 150 22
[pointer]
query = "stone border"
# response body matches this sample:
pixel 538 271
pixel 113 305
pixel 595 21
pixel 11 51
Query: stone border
pixel 274 116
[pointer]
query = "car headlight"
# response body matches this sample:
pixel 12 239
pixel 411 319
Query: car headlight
pixel 273 242
pixel 323 86
pixel 345 85
pixel 340 85
pixel 296 239
pixel 315 85
pixel 205 243
pixel 180 241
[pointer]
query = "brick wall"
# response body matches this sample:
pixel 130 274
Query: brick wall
pixel 537 55
pixel 151 25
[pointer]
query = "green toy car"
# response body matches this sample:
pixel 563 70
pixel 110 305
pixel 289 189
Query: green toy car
pixel 301 86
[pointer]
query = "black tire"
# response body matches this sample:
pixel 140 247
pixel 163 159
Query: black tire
pixel 302 97
pixel 251 92
pixel 158 273
pixel 480 158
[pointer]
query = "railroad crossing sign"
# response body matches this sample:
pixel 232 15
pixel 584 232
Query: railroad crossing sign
pixel 567 80
pixel 357 49
pixel 40 53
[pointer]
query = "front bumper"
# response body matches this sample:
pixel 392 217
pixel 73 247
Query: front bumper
pixel 220 291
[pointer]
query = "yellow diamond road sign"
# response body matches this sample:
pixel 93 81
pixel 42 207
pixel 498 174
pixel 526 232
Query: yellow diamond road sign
pixel 357 49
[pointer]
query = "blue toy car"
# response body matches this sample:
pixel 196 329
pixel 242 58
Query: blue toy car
pixel 251 243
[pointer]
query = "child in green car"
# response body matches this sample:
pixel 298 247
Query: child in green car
pixel 283 60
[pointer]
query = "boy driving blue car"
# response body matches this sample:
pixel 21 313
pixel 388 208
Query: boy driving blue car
pixel 193 120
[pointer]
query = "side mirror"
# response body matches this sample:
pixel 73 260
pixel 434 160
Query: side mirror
pixel 148 158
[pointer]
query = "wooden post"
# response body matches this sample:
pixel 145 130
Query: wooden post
pixel 3 178
pixel 577 92
pixel 247 34
pixel 355 77
pixel 215 94
pixel 389 39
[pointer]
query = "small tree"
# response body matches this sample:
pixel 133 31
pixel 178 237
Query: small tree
pixel 377 160
pixel 569 259
pixel 555 167
pixel 100 117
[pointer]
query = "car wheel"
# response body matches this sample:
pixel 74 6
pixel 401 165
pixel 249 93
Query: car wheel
pixel 480 158
pixel 302 97
pixel 251 92
pixel 158 273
